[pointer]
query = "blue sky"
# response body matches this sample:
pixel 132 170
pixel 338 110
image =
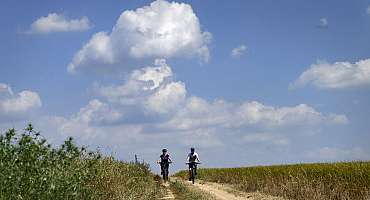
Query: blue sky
pixel 296 90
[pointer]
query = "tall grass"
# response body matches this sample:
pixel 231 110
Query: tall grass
pixel 183 192
pixel 30 168
pixel 119 180
pixel 332 181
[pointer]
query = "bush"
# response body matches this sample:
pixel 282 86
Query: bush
pixel 30 168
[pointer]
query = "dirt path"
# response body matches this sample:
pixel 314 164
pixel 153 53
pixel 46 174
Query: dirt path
pixel 223 192
pixel 169 194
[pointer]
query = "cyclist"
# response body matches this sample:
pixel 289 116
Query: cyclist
pixel 193 160
pixel 164 161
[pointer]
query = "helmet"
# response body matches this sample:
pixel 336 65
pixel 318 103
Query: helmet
pixel 164 150
pixel 192 149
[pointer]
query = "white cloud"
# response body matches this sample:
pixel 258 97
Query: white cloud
pixel 200 113
pixel 339 75
pixel 368 10
pixel 139 83
pixel 266 138
pixel 338 154
pixel 167 99
pixel 202 138
pixel 153 75
pixel 302 114
pixel 98 51
pixel 324 23
pixel 162 29
pixel 15 106
pixel 58 23
pixel 4 88
pixel 97 112
pixel 152 96
pixel 238 51
pixel 89 123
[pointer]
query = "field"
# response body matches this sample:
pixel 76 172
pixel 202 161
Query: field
pixel 346 180
pixel 30 168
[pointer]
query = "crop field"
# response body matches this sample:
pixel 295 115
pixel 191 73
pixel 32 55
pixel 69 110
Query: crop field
pixel 30 168
pixel 339 181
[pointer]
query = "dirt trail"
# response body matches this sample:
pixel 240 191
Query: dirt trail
pixel 223 192
pixel 169 194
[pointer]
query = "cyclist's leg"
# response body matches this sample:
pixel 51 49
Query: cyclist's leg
pixel 195 169
pixel 167 166
pixel 162 169
pixel 190 172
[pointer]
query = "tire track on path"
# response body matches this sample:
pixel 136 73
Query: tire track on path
pixel 169 194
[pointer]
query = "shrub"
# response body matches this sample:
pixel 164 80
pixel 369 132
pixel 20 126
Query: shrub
pixel 30 168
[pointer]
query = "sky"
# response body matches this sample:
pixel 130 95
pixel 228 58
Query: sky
pixel 244 82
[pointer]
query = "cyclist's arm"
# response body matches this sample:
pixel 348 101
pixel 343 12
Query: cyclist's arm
pixel 197 158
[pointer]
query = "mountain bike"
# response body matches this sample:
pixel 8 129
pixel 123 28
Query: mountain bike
pixel 192 170
pixel 164 170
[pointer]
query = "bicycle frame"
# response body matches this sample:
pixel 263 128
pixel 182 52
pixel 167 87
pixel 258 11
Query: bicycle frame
pixel 164 170
pixel 192 168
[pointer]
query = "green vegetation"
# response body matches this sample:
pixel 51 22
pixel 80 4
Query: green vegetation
pixel 30 168
pixel 119 180
pixel 182 192
pixel 350 180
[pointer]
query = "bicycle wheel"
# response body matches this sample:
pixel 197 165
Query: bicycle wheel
pixel 165 175
pixel 192 175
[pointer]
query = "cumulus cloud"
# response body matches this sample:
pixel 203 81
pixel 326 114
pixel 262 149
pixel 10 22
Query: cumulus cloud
pixel 198 113
pixel 151 101
pixel 162 29
pixel 338 75
pixel 17 106
pixel 168 98
pixel 323 23
pixel 55 22
pixel 151 87
pixel 302 114
pixel 97 112
pixel 153 91
pixel 238 51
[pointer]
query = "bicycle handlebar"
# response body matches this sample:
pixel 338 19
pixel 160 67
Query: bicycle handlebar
pixel 167 162
pixel 192 163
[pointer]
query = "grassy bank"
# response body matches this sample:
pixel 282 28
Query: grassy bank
pixel 119 180
pixel 349 180
pixel 182 192
pixel 30 168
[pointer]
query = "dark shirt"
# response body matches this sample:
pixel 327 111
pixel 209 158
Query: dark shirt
pixel 165 158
